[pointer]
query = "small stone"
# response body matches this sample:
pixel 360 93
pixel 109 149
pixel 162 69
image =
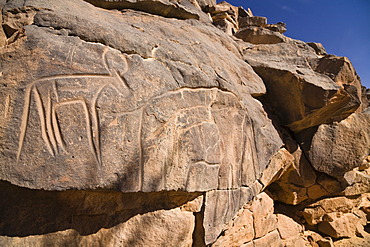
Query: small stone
pixel 287 227
pixel 259 35
pixel 281 161
pixel 326 242
pixel 258 21
pixel 194 205
pixel 318 47
pixel 263 213
pixel 271 239
pixel 339 226
pixel 240 231
pixel 316 191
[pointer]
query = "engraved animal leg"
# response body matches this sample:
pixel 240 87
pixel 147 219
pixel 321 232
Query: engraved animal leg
pixel 55 124
pixel 88 124
pixel 7 106
pixel 40 109
pixel 95 122
pixel 24 122
pixel 49 125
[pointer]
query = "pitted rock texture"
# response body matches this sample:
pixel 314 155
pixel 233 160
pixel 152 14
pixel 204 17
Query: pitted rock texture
pixel 182 9
pixel 175 123
pixel 340 147
pixel 144 116
pixel 308 89
pixel 95 218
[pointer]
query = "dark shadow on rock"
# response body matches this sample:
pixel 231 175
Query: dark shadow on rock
pixel 285 133
pixel 25 212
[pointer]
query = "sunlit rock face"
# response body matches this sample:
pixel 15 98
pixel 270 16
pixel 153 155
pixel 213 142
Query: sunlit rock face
pixel 152 123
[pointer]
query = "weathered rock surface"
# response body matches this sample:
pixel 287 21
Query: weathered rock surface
pixel 340 147
pixel 301 89
pixel 113 125
pixel 94 218
pixel 136 123
pixel 358 182
pixel 259 35
pixel 182 9
pixel 257 225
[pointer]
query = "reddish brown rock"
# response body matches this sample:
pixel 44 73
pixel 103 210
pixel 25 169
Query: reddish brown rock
pixel 278 27
pixel 70 115
pixel 326 242
pixel 298 182
pixel 318 47
pixel 358 182
pixel 278 165
pixel 263 214
pixel 340 147
pixel 314 213
pixel 271 239
pixel 287 227
pixel 314 97
pixel 340 225
pixel 182 9
pixel 259 35
pixel 139 134
pixel 258 21
pixel 239 232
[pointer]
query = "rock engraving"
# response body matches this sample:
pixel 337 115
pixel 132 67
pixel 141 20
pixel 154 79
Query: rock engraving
pixel 7 106
pixel 48 105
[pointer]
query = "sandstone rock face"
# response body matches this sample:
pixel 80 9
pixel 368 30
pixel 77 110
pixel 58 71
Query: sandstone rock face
pixel 113 125
pixel 294 78
pixel 183 9
pixel 135 106
pixel 340 216
pixel 175 123
pixel 358 182
pixel 259 35
pixel 340 147
pixel 257 225
pixel 94 218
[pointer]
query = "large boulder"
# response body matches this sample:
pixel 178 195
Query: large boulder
pixel 304 88
pixel 339 147
pixel 182 9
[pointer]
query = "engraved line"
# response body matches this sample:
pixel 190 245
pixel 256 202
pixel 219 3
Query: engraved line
pixel 23 128
pixel 69 52
pixel 56 128
pixel 122 80
pixel 242 158
pixel 141 161
pixel 126 64
pixel 72 53
pixel 104 59
pixel 173 92
pixel 88 123
pixel 40 110
pixel 55 89
pixel 72 76
pixel 49 125
pixel 95 123
pixel 7 106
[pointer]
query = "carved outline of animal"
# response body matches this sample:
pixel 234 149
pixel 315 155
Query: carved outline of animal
pixel 50 129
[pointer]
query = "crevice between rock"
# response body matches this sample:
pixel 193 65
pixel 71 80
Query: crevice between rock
pixel 25 212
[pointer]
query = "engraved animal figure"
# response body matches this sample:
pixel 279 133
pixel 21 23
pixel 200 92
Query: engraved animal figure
pixel 116 66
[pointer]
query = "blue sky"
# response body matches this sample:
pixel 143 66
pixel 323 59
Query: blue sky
pixel 342 26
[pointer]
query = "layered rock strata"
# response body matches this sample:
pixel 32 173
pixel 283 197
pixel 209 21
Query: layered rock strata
pixel 176 123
